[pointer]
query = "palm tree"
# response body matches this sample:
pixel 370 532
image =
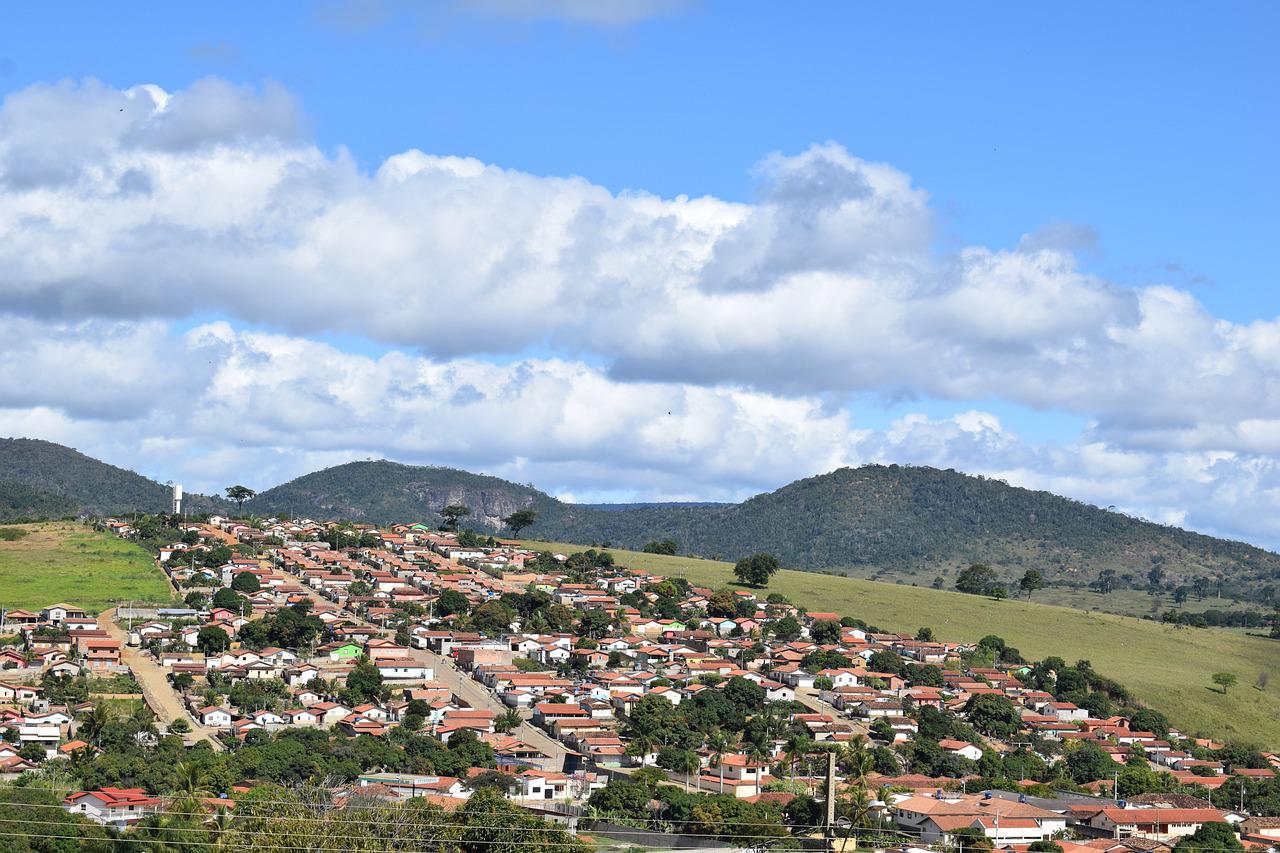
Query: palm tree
pixel 90 728
pixel 718 742
pixel 797 745
pixel 859 760
pixel 640 747
pixel 508 721
pixel 189 780
pixel 219 825
pixel 689 762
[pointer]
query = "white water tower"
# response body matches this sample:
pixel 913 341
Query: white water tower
pixel 177 499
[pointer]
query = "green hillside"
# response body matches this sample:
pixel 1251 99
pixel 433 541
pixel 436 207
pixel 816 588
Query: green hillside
pixel 383 492
pixel 887 522
pixel 20 502
pixel 59 481
pixel 68 562
pixel 1169 668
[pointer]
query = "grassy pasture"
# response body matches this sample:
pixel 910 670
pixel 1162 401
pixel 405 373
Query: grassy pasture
pixel 1169 668
pixel 69 562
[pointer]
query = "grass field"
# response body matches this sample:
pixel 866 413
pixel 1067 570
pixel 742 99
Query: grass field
pixel 68 562
pixel 1168 668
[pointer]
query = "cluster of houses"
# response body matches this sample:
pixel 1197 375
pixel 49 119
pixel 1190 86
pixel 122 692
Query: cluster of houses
pixel 580 694
pixel 60 640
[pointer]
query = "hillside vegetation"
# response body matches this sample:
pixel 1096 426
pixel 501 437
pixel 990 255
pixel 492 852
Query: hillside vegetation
pixel 1167 667
pixel 885 522
pixel 57 478
pixel 69 562
pixel 891 522
pixel 20 502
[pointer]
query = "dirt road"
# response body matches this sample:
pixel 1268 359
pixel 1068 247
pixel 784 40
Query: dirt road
pixel 159 694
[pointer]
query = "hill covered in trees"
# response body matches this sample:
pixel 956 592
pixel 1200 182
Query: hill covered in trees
pixel 46 480
pixel 20 502
pixel 913 524
pixel 382 492
pixel 887 521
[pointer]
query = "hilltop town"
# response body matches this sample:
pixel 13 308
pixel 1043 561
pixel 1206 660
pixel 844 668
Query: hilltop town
pixel 418 663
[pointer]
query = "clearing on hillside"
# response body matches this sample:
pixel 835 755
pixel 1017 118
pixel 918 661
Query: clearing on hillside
pixel 1169 668
pixel 69 562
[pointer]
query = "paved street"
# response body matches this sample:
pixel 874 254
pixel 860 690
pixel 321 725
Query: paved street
pixel 470 691
pixel 160 696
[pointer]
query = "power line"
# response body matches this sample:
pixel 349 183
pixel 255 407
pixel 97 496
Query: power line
pixel 552 825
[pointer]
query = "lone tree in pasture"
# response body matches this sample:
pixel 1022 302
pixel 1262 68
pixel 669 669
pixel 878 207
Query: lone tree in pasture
pixel 756 569
pixel 1224 680
pixel 1031 581
pixel 978 579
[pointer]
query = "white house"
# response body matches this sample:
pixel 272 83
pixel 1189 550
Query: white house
pixel 116 807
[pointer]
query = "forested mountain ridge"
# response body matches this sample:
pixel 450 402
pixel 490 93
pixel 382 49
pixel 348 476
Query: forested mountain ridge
pixel 47 480
pixel 893 521
pixel 888 521
pixel 383 492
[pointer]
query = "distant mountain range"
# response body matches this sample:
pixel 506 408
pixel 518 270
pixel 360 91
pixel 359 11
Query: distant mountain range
pixel 896 521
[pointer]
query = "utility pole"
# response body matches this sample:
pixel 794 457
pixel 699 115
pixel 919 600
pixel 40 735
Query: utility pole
pixel 831 794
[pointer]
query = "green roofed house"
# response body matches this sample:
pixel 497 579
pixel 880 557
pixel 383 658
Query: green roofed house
pixel 341 651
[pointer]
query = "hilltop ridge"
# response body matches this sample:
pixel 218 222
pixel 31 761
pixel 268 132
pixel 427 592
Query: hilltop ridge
pixel 887 521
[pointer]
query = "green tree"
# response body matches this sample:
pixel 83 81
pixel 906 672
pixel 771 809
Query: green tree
pixel 453 515
pixel 992 714
pixel 1224 680
pixel 978 579
pixel 968 839
pixel 722 604
pixel 756 569
pixel 1212 837
pixel 246 582
pixel 678 760
pixel 508 721
pixel 825 632
pixel 1089 763
pixel 240 494
pixel 1032 580
pixel 885 660
pixel 212 640
pixel 493 617
pixel 451 601
pixel 364 683
pixel 520 519
pixel 666 546
pixel 227 599
pixel 1149 720
pixel 1044 846
pixel 786 628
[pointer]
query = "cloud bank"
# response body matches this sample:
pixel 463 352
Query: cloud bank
pixel 607 344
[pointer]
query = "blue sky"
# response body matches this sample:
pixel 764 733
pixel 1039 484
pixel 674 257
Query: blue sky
pixel 1154 126
pixel 1134 144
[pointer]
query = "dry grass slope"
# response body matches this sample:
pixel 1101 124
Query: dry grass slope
pixel 1168 668
pixel 65 561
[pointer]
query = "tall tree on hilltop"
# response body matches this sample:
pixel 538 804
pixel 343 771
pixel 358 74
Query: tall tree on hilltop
pixel 240 494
